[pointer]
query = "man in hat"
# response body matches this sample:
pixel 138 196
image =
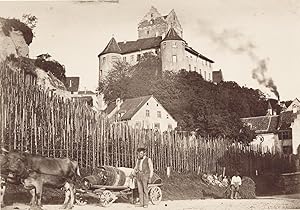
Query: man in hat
pixel 143 171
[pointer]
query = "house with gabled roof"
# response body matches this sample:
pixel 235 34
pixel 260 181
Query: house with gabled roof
pixel 142 112
pixel 277 132
pixel 161 35
pixel 294 106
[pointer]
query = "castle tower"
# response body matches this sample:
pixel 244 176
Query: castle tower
pixel 154 24
pixel 108 57
pixel 172 50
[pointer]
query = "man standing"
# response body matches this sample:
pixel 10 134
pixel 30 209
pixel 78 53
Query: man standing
pixel 236 182
pixel 144 172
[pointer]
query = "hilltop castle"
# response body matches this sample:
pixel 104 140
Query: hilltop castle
pixel 163 36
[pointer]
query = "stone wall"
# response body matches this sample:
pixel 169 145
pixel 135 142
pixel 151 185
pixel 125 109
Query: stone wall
pixel 290 182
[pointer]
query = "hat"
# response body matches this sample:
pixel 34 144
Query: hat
pixel 140 149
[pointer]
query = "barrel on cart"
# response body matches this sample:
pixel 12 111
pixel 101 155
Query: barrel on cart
pixel 109 183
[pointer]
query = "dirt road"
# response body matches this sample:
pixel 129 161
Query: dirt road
pixel 207 204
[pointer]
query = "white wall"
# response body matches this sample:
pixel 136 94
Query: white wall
pixel 134 56
pixel 199 63
pixel 296 134
pixel 270 141
pixel 148 122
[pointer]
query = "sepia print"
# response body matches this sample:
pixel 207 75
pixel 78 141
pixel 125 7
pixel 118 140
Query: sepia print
pixel 124 104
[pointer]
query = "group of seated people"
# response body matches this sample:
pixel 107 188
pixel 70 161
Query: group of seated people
pixel 223 181
pixel 215 179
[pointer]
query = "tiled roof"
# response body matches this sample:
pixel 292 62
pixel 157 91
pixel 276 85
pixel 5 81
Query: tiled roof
pixel 172 35
pixel 262 124
pixel 110 107
pixel 72 84
pixel 131 106
pixel 140 44
pixel 112 47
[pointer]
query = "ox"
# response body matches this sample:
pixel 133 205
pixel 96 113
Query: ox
pixel 37 171
pixel 5 176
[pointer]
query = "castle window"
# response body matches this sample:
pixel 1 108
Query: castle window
pixel 174 58
pixel 205 75
pixel 164 46
pixel 209 76
pixel 174 45
pixel 152 15
pixel 138 58
pixel 147 113
pixel 124 59
pixel 103 60
pixel 195 68
pixel 147 32
pixel 190 67
pixel 170 126
pixel 200 72
pixel 167 116
pixel 209 65
pixel 114 58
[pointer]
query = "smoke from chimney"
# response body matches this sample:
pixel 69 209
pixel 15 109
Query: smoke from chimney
pixel 235 42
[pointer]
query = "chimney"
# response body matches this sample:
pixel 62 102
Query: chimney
pixel 119 103
pixel 270 109
pixel 295 110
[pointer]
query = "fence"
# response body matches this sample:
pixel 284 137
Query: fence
pixel 39 121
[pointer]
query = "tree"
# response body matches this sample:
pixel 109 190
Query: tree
pixel 45 62
pixel 115 84
pixel 30 20
pixel 196 104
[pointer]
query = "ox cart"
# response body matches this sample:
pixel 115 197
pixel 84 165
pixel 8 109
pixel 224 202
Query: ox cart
pixel 108 183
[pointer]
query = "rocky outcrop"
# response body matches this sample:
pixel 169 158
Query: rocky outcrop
pixel 13 44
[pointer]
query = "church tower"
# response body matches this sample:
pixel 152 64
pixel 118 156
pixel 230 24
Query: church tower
pixel 108 57
pixel 172 50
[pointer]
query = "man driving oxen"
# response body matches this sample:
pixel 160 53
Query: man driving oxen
pixel 37 171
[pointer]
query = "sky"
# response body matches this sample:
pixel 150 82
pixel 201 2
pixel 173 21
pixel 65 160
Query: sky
pixel 242 37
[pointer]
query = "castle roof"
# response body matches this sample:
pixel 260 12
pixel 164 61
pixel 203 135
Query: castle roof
pixel 194 52
pixel 140 44
pixel 172 35
pixel 112 47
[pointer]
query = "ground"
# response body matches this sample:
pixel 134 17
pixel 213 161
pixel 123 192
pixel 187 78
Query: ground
pixel 272 202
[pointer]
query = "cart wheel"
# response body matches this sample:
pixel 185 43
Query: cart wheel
pixel 107 198
pixel 155 195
